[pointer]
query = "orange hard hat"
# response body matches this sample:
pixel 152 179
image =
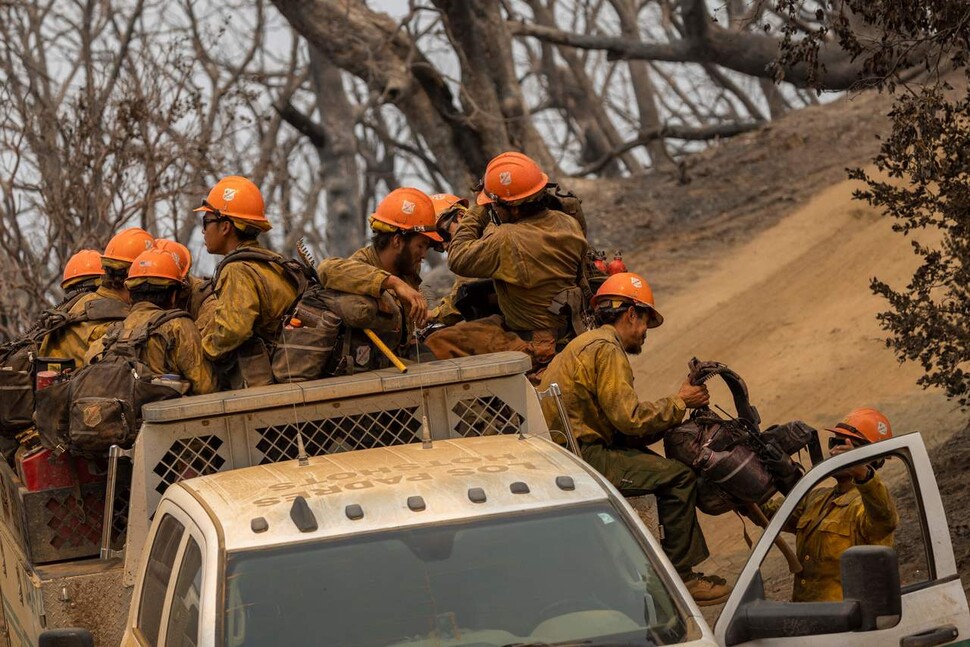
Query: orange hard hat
pixel 154 266
pixel 865 424
pixel 238 199
pixel 125 246
pixel 85 264
pixel 181 253
pixel 408 210
pixel 627 288
pixel 445 204
pixel 511 177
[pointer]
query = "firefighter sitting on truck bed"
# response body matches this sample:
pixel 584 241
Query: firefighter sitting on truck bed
pixel 613 426
pixel 857 511
pixel 533 254
pixel 175 347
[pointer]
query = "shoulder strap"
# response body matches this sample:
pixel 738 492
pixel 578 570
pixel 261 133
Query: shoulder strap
pixel 700 372
pixel 137 337
pixel 294 270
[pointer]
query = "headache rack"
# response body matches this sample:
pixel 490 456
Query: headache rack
pixel 195 436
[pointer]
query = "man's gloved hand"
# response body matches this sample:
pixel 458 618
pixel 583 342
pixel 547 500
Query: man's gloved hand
pixel 694 397
pixel 413 301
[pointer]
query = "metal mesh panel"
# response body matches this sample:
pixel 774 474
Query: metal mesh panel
pixel 339 434
pixel 188 458
pixel 71 525
pixel 485 416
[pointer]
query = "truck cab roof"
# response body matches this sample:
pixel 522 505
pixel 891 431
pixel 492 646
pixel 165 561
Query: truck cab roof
pixel 369 490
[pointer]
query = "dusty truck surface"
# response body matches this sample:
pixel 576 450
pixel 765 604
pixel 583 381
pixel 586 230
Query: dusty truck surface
pixel 425 509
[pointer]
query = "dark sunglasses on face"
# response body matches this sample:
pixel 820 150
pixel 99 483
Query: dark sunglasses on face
pixel 206 221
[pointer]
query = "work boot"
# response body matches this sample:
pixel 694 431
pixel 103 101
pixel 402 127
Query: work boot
pixel 707 590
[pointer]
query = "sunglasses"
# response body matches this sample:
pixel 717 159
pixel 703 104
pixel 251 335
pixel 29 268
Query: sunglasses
pixel 218 215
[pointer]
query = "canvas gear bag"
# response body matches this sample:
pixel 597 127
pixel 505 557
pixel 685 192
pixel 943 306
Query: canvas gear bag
pixel 735 463
pixel 100 405
pixel 18 358
pixel 331 340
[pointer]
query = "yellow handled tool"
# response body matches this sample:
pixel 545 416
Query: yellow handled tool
pixel 388 353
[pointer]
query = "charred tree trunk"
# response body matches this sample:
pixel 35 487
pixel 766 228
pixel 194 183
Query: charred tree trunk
pixel 338 159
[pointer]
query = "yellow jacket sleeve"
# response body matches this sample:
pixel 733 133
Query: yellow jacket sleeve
pixel 189 359
pixel 624 409
pixel 235 312
pixel 349 275
pixel 878 518
pixel 480 250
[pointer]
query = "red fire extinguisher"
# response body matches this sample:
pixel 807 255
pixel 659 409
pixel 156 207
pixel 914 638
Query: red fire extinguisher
pixel 616 265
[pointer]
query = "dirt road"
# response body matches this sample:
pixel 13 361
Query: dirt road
pixel 792 312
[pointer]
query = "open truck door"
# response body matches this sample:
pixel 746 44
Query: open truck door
pixel 908 595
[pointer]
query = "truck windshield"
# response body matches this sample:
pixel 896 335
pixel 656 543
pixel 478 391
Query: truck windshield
pixel 574 575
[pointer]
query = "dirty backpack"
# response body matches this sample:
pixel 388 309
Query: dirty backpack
pixel 100 405
pixel 737 464
pixel 18 358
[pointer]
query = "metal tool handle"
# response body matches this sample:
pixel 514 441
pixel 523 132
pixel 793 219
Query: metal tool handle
pixel 555 393
pixel 114 453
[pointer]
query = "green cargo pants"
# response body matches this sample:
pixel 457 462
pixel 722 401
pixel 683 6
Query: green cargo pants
pixel 635 472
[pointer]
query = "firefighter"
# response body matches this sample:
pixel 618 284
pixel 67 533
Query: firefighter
pixel 253 290
pixel 97 310
pixel 859 510
pixel 154 282
pixel 534 256
pixel 197 297
pixel 82 273
pixel 403 230
pixel 449 210
pixel 613 426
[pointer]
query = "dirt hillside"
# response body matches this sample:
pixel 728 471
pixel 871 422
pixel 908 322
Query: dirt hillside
pixel 762 260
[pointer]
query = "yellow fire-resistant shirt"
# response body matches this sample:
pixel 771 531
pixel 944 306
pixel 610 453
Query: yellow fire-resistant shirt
pixel 830 520
pixel 74 340
pixel 596 379
pixel 174 347
pixel 251 298
pixel 531 261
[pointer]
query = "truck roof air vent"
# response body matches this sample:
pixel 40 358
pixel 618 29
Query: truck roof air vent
pixel 519 488
pixel 354 512
pixel 565 483
pixel 302 516
pixel 259 524
pixel 476 495
pixel 416 503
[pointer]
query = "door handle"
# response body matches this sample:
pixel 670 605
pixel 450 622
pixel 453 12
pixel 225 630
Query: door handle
pixel 931 637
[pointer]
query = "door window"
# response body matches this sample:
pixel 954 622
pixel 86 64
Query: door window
pixel 183 619
pixel 838 514
pixel 158 572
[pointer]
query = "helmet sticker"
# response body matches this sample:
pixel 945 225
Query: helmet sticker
pixel 505 177
pixel 882 428
pixel 407 206
pixel 438 196
pixel 635 282
pixel 228 195
pixel 175 257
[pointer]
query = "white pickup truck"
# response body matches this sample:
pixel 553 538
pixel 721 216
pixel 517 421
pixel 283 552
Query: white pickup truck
pixel 433 511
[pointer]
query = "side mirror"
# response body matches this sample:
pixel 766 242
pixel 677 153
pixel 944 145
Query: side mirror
pixel 871 600
pixel 870 575
pixel 73 637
